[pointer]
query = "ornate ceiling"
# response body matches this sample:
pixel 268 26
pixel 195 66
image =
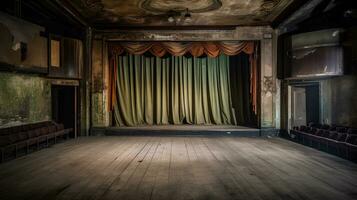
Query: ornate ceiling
pixel 203 12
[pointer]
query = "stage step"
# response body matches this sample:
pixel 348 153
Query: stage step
pixel 181 130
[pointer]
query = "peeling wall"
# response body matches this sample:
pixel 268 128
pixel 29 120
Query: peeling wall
pixel 35 54
pixel 98 91
pixel 24 99
pixel 100 84
pixel 337 94
pixel 338 100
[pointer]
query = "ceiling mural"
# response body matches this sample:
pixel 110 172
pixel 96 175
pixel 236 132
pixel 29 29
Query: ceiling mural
pixel 196 6
pixel 202 12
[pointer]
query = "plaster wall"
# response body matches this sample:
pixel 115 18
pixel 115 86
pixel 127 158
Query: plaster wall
pixel 24 99
pixel 338 100
pixel 35 54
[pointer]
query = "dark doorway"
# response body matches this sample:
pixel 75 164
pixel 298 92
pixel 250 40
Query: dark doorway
pixel 313 103
pixel 64 106
pixel 240 75
pixel 305 104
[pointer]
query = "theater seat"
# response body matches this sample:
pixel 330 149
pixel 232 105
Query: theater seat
pixel 303 128
pixel 333 135
pixel 320 132
pixel 339 140
pixel 5 131
pixel 59 127
pixel 4 141
pixel 341 137
pixel 23 136
pixel 351 139
pixel 325 127
pixel 352 131
pixel 354 141
pixel 52 128
pixel 326 133
pixel 351 144
pixel 16 138
pixel 313 130
pixel 44 130
pixel 342 129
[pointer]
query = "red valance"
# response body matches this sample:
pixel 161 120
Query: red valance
pixel 211 49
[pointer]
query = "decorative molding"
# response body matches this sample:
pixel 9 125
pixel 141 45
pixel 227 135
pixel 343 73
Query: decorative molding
pixel 269 85
pixel 171 35
pixel 268 6
pixel 93 5
pixel 240 33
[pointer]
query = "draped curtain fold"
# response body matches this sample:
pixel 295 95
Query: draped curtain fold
pixel 196 49
pixel 172 90
pixel 241 89
pixel 175 89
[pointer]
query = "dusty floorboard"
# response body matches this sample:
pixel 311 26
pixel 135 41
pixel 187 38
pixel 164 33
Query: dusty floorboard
pixel 178 168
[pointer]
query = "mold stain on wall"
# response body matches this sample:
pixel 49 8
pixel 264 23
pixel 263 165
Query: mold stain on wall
pixel 339 100
pixel 24 99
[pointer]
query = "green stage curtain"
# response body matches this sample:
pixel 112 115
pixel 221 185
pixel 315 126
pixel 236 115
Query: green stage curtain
pixel 172 90
pixel 196 49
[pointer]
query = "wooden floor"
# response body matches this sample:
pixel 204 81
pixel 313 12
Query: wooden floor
pixel 178 168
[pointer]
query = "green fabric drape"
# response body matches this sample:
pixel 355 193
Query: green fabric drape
pixel 173 90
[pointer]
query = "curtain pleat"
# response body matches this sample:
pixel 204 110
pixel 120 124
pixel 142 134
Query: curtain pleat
pixel 172 90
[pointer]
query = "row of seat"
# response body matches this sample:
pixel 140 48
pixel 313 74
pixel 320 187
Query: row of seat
pixel 339 140
pixel 23 137
pixel 25 127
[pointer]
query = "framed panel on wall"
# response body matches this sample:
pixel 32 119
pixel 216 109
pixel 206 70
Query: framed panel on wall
pixel 54 55
pixel 65 60
pixel 22 51
pixel 55 52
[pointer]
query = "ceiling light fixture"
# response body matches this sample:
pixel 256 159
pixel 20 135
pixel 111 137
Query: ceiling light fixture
pixel 177 17
pixel 187 16
pixel 171 19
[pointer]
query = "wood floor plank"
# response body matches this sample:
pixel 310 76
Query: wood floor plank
pixel 177 168
pixel 162 187
pixel 219 184
pixel 261 172
pixel 149 179
pixel 118 166
pixel 242 175
pixel 117 182
pixel 141 166
pixel 105 167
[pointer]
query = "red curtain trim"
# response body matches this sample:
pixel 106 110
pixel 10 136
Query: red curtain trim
pixel 211 49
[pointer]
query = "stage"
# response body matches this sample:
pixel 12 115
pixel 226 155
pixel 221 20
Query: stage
pixel 214 130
